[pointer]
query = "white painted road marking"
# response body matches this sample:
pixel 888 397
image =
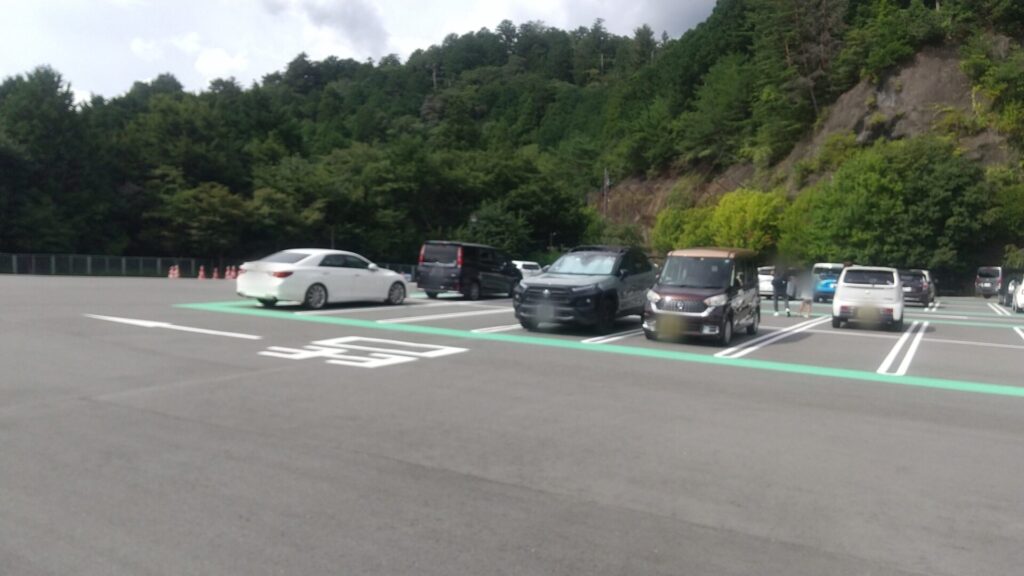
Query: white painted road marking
pixel 999 309
pixel 916 331
pixel 367 309
pixel 377 352
pixel 493 329
pixel 443 316
pixel 1019 331
pixel 762 341
pixel 169 326
pixel 613 337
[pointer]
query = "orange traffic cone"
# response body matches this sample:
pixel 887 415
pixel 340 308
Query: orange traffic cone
pixel 232 274
pixel 170 272
pixel 202 273
pixel 216 273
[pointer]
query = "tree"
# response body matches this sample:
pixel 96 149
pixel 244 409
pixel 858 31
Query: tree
pixel 748 219
pixel 644 46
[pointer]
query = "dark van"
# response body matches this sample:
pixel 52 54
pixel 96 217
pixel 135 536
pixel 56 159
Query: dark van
pixel 471 269
pixel 709 292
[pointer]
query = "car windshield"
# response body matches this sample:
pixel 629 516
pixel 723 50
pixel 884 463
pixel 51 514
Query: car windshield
pixel 286 257
pixel 692 272
pixel 911 277
pixel 766 271
pixel 989 272
pixel 440 254
pixel 871 277
pixel 531 266
pixel 587 263
pixel 826 272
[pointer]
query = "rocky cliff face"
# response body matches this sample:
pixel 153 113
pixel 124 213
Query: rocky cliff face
pixel 931 93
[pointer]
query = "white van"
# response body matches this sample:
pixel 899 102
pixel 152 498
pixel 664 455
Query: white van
pixel 870 295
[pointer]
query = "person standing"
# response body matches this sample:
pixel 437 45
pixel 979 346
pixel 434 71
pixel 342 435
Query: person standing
pixel 805 286
pixel 780 283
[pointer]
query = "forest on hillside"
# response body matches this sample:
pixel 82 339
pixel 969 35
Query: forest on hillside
pixel 500 135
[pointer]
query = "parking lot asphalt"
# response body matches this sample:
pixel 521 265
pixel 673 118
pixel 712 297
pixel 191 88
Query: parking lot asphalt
pixel 152 426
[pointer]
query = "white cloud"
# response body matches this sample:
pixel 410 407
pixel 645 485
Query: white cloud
pixel 214 63
pixel 188 43
pixel 148 50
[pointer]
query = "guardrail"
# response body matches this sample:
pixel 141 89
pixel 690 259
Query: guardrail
pixel 135 266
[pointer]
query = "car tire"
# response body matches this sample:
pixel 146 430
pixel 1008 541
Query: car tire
pixel 605 316
pixel 267 303
pixel 752 329
pixel 474 292
pixel 651 335
pixel 431 294
pixel 529 325
pixel 316 297
pixel 512 289
pixel 396 294
pixel 897 326
pixel 725 334
pixel 837 322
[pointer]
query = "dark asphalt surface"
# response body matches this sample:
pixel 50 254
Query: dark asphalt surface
pixel 135 450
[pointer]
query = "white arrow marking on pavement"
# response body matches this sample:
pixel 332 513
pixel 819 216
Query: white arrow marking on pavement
pixel 169 326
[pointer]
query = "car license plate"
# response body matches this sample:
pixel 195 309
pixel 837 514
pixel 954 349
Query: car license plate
pixel 906 288
pixel 986 285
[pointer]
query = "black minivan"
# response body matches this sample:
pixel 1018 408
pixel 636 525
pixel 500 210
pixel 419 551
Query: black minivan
pixel 708 292
pixel 471 269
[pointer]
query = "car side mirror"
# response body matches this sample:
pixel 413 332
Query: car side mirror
pixel 373 267
pixel 623 273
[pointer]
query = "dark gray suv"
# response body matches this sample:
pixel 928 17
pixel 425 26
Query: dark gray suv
pixel 590 286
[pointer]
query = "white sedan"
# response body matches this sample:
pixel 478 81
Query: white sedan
pixel 317 277
pixel 1018 298
pixel 527 268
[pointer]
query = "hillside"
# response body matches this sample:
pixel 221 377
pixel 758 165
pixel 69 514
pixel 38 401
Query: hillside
pixel 770 115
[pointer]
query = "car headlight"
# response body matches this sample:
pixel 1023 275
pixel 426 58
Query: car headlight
pixel 718 300
pixel 589 288
pixel 653 297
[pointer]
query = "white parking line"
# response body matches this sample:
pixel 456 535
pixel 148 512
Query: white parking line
pixel 427 318
pixel 493 329
pixel 945 316
pixel 169 326
pixel 760 342
pixel 999 309
pixel 916 331
pixel 1019 331
pixel 357 310
pixel 613 337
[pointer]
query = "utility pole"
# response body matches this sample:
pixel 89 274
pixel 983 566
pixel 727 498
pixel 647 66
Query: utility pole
pixel 604 190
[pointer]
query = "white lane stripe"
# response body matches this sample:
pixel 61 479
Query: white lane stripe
pixel 169 326
pixel 427 318
pixel 1019 331
pixel 909 357
pixel 494 329
pixel 998 309
pixel 946 316
pixel 357 310
pixel 895 352
pixel 757 343
pixel 1003 310
pixel 613 337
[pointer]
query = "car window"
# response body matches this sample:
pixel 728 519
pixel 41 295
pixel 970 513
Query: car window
pixel 531 266
pixel 693 272
pixel 870 277
pixel 355 262
pixel 487 256
pixel 333 261
pixel 587 263
pixel 286 257
pixel 640 263
pixel 989 272
pixel 440 253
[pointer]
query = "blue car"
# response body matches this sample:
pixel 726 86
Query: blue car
pixel 825 276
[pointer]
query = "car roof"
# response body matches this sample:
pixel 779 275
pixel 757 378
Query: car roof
pixel 457 243
pixel 714 253
pixel 525 262
pixel 600 248
pixel 318 251
pixel 873 269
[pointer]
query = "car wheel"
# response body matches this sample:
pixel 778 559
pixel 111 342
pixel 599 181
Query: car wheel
pixel 725 336
pixel 752 329
pixel 396 295
pixel 474 291
pixel 431 295
pixel 605 316
pixel 897 326
pixel 316 297
pixel 528 324
pixel 512 289
pixel 267 303
pixel 650 334
pixel 837 322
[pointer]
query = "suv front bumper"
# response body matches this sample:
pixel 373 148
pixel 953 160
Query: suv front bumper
pixel 579 310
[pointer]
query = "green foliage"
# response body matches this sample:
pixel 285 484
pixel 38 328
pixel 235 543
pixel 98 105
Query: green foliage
pixel 748 219
pixel 495 224
pixel 912 203
pixel 683 228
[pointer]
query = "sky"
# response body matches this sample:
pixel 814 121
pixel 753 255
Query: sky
pixel 103 46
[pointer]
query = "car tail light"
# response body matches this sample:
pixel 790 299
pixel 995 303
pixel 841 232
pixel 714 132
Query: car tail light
pixel 844 309
pixel 458 258
pixel 888 311
pixel 284 274
pixel 423 250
